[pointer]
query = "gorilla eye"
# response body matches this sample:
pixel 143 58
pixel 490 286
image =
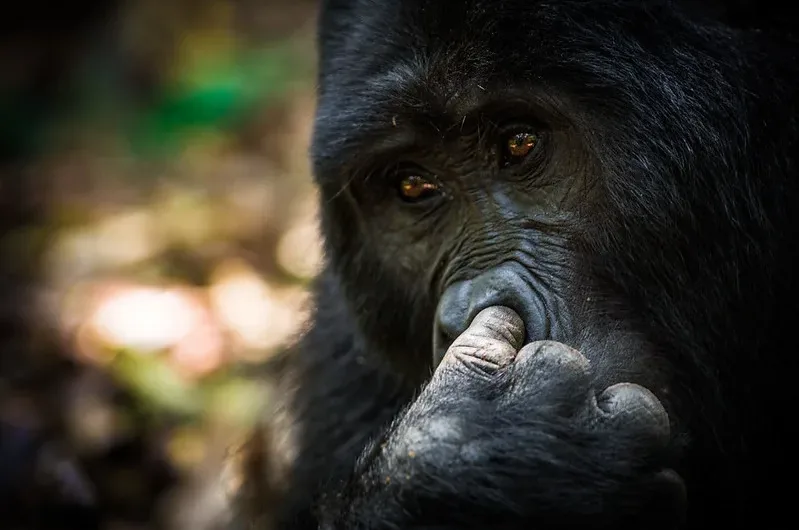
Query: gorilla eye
pixel 414 188
pixel 520 144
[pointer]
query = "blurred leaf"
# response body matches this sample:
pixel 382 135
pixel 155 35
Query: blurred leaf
pixel 21 125
pixel 187 447
pixel 238 400
pixel 215 95
pixel 157 383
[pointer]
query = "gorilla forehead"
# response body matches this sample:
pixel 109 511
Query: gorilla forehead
pixel 428 51
pixel 446 43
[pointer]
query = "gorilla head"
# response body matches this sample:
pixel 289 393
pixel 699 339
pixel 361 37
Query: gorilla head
pixel 592 165
pixel 621 174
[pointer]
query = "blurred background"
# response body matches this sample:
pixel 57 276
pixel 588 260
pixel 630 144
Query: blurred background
pixel 158 235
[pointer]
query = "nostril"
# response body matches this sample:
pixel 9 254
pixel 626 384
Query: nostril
pixel 452 321
pixel 441 343
pixel 452 318
pixel 462 301
pixel 454 308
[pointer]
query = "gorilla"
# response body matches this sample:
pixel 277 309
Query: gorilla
pixel 560 241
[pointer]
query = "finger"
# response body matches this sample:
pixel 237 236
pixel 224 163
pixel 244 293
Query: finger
pixel 490 342
pixel 633 407
pixel 552 375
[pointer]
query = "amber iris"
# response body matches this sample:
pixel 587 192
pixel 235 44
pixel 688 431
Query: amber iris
pixel 416 187
pixel 521 144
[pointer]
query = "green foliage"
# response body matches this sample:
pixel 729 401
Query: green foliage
pixel 217 95
pixel 157 384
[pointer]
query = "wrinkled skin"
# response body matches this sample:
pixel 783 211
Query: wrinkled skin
pixel 594 334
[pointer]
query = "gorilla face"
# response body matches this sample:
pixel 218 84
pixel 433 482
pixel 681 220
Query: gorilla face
pixel 475 213
pixel 464 166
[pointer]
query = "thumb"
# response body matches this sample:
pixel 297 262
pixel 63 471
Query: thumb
pixel 490 343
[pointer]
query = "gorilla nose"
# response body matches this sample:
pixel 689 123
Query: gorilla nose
pixel 462 301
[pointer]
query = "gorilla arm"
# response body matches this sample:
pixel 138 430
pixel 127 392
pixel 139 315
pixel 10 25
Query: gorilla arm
pixel 504 437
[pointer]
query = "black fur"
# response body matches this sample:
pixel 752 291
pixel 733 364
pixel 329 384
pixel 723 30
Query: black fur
pixel 675 123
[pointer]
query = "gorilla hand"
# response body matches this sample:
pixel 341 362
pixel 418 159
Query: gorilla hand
pixel 468 452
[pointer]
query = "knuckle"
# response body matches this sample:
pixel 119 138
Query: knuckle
pixel 477 360
pixel 634 407
pixel 479 348
pixel 554 355
pixel 629 398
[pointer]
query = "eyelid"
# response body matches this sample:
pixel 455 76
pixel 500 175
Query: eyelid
pixel 401 170
pixel 511 129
